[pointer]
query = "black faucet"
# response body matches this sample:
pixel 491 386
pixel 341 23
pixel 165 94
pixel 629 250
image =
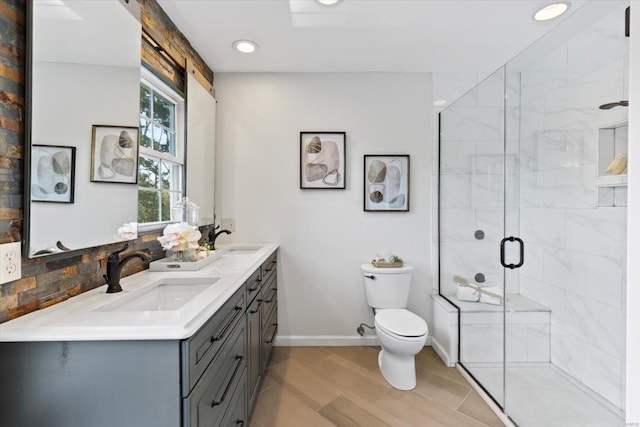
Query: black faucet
pixel 114 267
pixel 213 235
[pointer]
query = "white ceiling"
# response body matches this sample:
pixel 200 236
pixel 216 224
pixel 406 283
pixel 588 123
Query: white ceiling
pixel 361 35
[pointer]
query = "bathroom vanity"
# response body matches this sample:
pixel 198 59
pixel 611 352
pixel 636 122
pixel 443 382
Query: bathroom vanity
pixel 172 349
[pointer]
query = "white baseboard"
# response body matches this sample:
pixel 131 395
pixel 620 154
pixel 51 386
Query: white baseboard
pixel 328 341
pixel 444 355
pixel 325 340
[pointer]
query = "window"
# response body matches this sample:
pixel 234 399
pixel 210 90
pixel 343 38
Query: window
pixel 161 163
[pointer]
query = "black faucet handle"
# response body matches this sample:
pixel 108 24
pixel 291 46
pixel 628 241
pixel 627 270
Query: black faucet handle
pixel 212 232
pixel 115 255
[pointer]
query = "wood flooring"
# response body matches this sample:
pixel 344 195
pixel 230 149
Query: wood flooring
pixel 342 386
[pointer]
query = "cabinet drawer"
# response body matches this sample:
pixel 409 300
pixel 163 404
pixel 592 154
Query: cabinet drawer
pixel 210 398
pixel 269 299
pixel 270 329
pixel 270 266
pixel 202 347
pixel 253 285
pixel 236 415
pixel 254 334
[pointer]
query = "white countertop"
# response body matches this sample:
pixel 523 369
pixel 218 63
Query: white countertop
pixel 80 318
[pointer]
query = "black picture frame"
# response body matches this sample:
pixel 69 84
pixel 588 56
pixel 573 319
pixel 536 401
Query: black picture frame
pixel 323 160
pixel 121 145
pixel 378 183
pixel 53 173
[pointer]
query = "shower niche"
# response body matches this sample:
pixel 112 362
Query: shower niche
pixel 612 160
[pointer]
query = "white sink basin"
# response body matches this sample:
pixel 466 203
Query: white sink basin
pixel 165 295
pixel 241 250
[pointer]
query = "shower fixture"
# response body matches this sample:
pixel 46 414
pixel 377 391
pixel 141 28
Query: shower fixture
pixel 614 104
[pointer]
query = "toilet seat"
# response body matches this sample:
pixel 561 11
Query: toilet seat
pixel 401 323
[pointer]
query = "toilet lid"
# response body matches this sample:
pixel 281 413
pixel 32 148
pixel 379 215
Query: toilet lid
pixel 401 322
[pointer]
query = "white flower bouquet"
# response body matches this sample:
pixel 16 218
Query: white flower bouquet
pixel 127 231
pixel 182 239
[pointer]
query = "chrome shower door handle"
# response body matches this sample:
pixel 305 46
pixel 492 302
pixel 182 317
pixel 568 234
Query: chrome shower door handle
pixel 502 252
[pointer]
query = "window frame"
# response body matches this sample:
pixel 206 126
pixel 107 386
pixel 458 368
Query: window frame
pixel 149 79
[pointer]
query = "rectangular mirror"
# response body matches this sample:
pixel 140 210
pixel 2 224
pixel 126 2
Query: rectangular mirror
pixel 83 99
pixel 201 133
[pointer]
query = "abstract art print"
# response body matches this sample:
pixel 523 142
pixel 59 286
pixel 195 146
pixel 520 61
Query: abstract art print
pixel 322 160
pixel 386 183
pixel 52 174
pixel 114 154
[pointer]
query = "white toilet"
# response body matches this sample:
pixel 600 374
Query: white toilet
pixel 402 334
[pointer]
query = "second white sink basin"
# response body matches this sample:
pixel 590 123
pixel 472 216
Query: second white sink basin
pixel 165 295
pixel 241 250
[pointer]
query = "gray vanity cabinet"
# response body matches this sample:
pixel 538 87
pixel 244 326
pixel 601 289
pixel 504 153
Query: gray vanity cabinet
pixel 209 379
pixel 269 308
pixel 262 324
pixel 199 350
pixel 214 393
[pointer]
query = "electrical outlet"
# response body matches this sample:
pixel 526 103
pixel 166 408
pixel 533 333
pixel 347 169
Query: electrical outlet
pixel 229 224
pixel 10 262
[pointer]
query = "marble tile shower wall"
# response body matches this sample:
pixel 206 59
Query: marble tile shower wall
pixel 576 251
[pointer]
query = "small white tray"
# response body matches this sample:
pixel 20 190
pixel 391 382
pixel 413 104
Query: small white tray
pixel 168 265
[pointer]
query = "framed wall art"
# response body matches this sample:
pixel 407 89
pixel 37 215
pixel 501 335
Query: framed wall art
pixel 386 183
pixel 322 160
pixel 52 173
pixel 114 154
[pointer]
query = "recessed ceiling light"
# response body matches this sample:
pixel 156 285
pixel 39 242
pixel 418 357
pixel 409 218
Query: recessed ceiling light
pixel 329 2
pixel 245 46
pixel 551 11
pixel 439 102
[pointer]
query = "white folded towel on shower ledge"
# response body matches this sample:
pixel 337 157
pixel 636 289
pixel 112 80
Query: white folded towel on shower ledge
pixel 467 293
pixel 464 290
pixel 471 292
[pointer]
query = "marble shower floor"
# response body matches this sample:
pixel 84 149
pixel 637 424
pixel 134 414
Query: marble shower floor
pixel 540 395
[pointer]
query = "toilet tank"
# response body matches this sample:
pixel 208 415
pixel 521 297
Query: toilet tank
pixel 387 287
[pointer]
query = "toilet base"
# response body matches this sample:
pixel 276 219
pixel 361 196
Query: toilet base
pixel 399 371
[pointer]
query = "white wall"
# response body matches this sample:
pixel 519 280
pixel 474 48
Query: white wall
pixel 633 233
pixel 324 235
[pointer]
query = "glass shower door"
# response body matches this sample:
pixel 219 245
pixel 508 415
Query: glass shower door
pixel 472 225
pixel 565 314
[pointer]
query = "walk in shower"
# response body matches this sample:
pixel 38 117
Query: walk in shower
pixel 523 161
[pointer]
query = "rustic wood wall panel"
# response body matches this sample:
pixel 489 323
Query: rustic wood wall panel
pixel 163 31
pixel 164 67
pixel 12 67
pixel 49 280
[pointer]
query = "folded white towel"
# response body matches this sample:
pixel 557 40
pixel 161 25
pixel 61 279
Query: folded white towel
pixel 491 295
pixel 467 293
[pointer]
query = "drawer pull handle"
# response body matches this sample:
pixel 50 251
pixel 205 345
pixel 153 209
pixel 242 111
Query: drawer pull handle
pixel 273 336
pixel 217 402
pixel 273 296
pixel 257 308
pixel 227 325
